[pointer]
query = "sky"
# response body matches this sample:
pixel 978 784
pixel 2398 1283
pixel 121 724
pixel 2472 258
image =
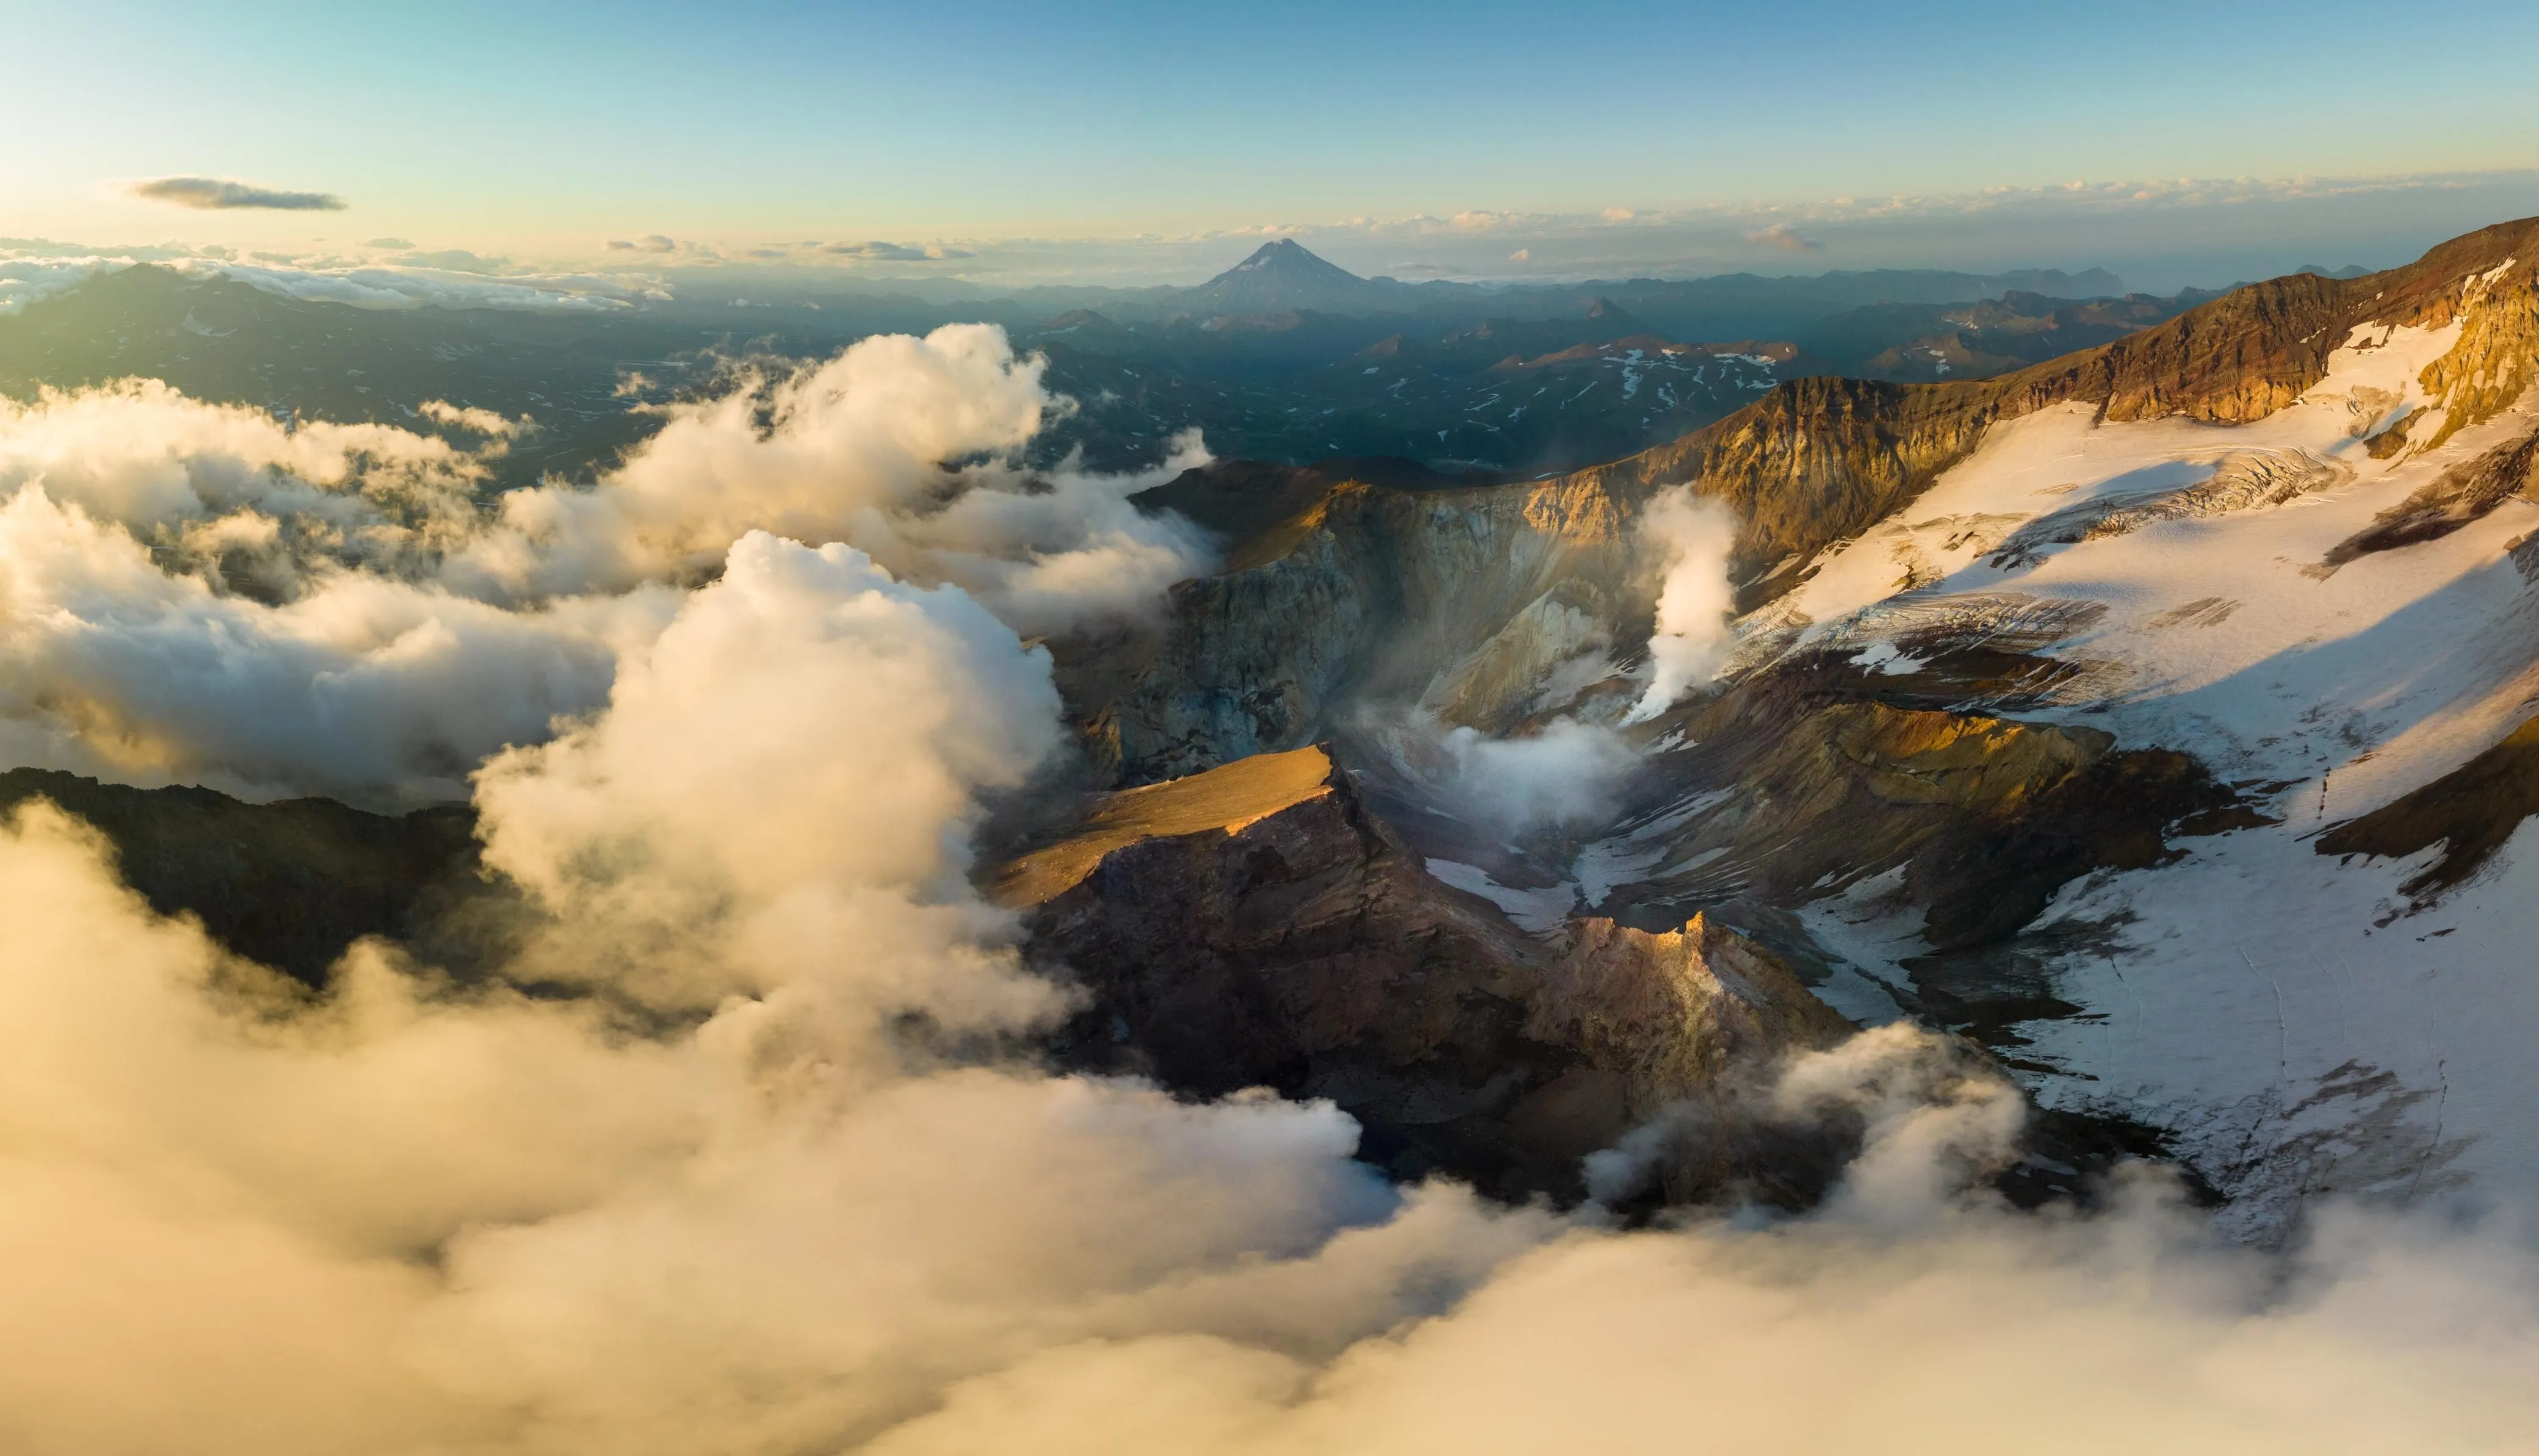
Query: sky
pixel 550 128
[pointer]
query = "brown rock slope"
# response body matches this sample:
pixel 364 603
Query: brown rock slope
pixel 1295 942
pixel 1819 460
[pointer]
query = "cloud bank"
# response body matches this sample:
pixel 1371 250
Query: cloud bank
pixel 894 252
pixel 855 449
pixel 25 279
pixel 218 194
pixel 453 278
pixel 196 594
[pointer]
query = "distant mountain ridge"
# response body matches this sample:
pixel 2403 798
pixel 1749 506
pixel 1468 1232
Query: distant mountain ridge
pixel 1286 275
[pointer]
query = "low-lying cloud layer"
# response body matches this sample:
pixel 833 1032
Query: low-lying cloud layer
pixel 450 278
pixel 220 194
pixel 198 594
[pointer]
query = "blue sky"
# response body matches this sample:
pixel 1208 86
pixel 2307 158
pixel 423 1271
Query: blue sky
pixel 497 125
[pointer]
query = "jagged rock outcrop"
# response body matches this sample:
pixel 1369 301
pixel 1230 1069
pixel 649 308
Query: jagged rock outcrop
pixel 1296 942
pixel 1676 1012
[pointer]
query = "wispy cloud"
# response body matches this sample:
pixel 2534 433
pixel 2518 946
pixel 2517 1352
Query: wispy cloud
pixel 1785 238
pixel 648 243
pixel 220 194
pixel 895 252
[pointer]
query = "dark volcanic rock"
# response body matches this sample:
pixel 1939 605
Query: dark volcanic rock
pixel 288 885
pixel 2469 811
pixel 1295 942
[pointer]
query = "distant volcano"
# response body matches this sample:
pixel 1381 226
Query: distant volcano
pixel 1283 275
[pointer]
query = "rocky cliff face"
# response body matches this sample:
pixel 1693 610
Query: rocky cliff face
pixel 1784 793
pixel 1459 597
pixel 1256 925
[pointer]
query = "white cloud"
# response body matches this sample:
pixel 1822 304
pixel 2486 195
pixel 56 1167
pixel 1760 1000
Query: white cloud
pixel 1785 238
pixel 361 686
pixel 710 872
pixel 185 571
pixel 230 491
pixel 854 449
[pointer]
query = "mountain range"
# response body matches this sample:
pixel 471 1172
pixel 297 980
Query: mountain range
pixel 1284 358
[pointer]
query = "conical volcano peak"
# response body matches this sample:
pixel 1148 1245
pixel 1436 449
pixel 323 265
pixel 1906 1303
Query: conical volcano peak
pixel 1286 254
pixel 1283 274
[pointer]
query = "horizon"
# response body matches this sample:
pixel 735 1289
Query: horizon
pixel 2156 240
pixel 1180 135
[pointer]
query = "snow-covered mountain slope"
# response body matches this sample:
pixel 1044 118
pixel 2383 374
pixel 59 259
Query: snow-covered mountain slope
pixel 2252 595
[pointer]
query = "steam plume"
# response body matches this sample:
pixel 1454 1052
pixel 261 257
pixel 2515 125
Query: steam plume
pixel 1693 606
